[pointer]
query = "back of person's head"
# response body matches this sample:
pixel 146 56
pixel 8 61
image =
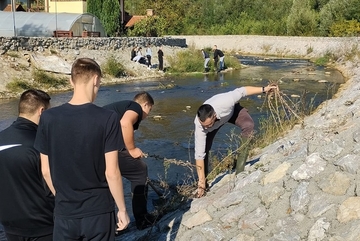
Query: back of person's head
pixel 83 69
pixel 144 97
pixel 33 99
pixel 205 111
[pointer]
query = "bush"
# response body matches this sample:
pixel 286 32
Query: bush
pixel 47 80
pixel 113 68
pixel 18 85
pixel 190 60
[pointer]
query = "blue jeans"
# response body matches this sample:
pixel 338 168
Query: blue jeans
pixel 2 234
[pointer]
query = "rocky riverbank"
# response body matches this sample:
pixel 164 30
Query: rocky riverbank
pixel 21 65
pixel 305 186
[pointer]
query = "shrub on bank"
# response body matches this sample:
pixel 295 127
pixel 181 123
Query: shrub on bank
pixel 47 80
pixel 113 68
pixel 191 60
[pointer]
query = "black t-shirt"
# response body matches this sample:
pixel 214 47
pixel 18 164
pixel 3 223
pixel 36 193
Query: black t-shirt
pixel 76 138
pixel 121 107
pixel 218 53
pixel 26 205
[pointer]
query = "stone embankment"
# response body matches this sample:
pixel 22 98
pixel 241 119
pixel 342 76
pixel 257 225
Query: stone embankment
pixel 306 184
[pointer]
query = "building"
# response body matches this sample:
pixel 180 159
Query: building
pixel 41 24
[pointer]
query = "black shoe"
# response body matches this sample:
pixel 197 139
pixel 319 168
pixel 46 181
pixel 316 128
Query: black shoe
pixel 147 221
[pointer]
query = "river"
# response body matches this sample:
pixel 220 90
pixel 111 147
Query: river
pixel 171 135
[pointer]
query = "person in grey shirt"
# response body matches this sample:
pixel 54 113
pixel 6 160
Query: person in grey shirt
pixel 211 116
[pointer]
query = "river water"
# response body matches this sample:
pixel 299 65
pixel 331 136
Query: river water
pixel 171 136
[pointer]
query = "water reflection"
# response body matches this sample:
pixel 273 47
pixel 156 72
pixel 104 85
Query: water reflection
pixel 172 136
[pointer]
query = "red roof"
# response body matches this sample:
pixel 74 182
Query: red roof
pixel 18 8
pixel 134 19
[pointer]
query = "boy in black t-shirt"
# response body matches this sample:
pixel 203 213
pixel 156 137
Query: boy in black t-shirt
pixel 133 168
pixel 78 144
pixel 219 55
pixel 26 208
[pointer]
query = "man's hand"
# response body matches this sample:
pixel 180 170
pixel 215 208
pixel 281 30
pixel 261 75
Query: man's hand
pixel 136 153
pixel 123 220
pixel 271 88
pixel 201 188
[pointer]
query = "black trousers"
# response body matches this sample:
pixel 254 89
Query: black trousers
pixel 148 60
pixel 11 237
pixel 161 63
pixel 97 228
pixel 135 170
pixel 240 118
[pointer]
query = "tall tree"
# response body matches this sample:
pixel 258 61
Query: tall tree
pixel 110 17
pixel 94 7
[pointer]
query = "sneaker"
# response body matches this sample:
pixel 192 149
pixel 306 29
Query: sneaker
pixel 148 221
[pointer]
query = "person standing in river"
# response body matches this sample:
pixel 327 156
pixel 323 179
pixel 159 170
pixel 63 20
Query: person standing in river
pixel 206 57
pixel 26 206
pixel 219 55
pixel 78 144
pixel 133 168
pixel 211 116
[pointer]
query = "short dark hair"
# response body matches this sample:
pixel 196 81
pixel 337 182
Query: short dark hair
pixel 31 100
pixel 205 111
pixel 143 97
pixel 83 69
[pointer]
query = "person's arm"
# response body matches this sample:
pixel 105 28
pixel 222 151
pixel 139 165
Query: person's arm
pixel 200 140
pixel 45 170
pixel 114 180
pixel 252 90
pixel 200 169
pixel 127 122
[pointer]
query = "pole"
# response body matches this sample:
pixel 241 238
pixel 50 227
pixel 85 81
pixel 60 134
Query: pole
pixel 13 14
pixel 56 19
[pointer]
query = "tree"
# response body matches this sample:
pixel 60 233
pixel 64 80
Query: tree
pixel 110 17
pixel 94 7
pixel 301 20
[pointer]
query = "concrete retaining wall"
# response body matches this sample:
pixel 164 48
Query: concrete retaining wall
pixel 274 45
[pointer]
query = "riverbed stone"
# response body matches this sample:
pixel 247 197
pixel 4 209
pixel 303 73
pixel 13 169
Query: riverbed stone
pixel 349 163
pixel 300 198
pixel 336 184
pixel 314 164
pixel 277 174
pixel 197 219
pixel 349 210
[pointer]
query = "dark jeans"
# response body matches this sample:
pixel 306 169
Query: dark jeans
pixel 2 233
pixel 148 60
pixel 240 118
pixel 135 170
pixel 161 64
pixel 96 228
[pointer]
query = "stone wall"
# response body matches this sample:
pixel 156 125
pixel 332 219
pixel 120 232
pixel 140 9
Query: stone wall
pixel 39 43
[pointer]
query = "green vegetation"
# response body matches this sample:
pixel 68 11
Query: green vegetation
pixel 114 68
pixel 108 11
pixel 44 79
pixel 191 61
pixel 251 17
pixel 18 85
pixel 41 79
pixel 324 60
